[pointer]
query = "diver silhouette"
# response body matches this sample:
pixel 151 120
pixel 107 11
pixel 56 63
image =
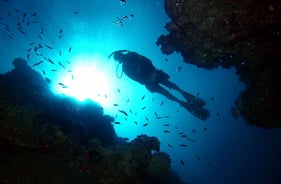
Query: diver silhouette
pixel 141 69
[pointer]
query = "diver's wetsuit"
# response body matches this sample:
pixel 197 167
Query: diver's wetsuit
pixel 141 69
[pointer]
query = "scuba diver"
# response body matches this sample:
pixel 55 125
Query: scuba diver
pixel 141 69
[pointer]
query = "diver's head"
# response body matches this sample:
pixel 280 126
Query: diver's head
pixel 119 55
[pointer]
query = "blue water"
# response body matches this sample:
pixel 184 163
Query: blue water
pixel 229 151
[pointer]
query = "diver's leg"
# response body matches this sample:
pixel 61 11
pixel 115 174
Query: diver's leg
pixel 159 89
pixel 189 97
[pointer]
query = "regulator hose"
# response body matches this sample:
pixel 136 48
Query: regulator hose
pixel 116 72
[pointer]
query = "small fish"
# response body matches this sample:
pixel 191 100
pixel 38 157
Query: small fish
pixel 155 113
pixel 33 14
pixel 122 2
pixel 161 103
pixel 123 112
pixel 75 12
pixel 142 97
pixel 61 84
pixel 31 43
pixel 153 99
pixel 166 59
pixel 166 124
pixel 29 49
pixel 143 107
pixel 183 145
pixel 136 122
pixel 212 98
pixel 218 114
pixel 48 80
pixel 28 56
pixel 146 118
pixel 117 123
pixel 64 86
pixel 24 14
pixel 182 162
pixel 115 104
pixel 60 32
pixel 166 131
pixel 183 136
pixel 60 53
pixel 24 33
pixel 178 69
pixel 131 111
pixel 145 124
pixel 44 73
pixel 61 65
pixel 70 48
pixel 36 64
pixel 50 61
pixel 118 90
pixel 170 145
pixel 197 157
pixel 49 47
pixel 53 70
pixel 128 100
pixel 205 129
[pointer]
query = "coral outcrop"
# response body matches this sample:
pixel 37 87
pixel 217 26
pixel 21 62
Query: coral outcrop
pixel 241 34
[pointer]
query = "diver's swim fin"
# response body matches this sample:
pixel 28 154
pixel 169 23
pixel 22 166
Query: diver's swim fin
pixel 193 99
pixel 197 111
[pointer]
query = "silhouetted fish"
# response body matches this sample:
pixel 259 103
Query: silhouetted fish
pixel 115 104
pixel 49 47
pixel 183 145
pixel 182 162
pixel 117 123
pixel 142 97
pixel 123 112
pixel 178 69
pixel 145 124
pixel 70 48
pixel 170 145
pixel 48 80
pixel 143 107
pixel 36 64
pixel 50 61
pixel 166 131
pixel 122 2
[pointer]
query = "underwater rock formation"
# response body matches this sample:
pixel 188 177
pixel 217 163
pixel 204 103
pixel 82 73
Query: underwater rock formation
pixel 241 34
pixel 65 140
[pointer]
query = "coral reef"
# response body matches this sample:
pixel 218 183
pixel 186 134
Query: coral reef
pixel 45 138
pixel 241 34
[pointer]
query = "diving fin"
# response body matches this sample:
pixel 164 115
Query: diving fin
pixel 197 111
pixel 193 99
